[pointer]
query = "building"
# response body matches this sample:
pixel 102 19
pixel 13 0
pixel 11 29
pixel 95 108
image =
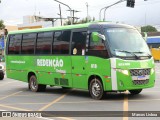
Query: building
pixel 33 22
pixel 153 41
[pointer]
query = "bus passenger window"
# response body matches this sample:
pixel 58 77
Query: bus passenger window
pixel 14 44
pixel 61 42
pixel 44 41
pixel 28 43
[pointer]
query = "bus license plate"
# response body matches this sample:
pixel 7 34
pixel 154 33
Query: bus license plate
pixel 141 78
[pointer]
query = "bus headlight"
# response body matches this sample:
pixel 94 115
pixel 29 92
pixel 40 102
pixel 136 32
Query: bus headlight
pixel 152 71
pixel 125 72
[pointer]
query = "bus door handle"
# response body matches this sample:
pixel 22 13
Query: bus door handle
pixel 83 68
pixel 72 67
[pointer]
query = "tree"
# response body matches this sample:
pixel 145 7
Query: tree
pixel 148 28
pixel 2 26
pixel 84 20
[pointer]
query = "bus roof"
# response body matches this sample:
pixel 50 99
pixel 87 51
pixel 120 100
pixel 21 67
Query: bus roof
pixel 85 25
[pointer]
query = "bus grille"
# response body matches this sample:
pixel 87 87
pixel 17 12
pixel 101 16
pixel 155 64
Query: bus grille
pixel 140 72
pixel 140 82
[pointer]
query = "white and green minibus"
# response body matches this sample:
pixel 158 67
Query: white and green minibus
pixel 99 56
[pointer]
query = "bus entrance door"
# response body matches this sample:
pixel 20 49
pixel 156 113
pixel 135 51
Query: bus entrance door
pixel 78 59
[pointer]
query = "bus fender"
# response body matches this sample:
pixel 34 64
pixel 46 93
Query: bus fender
pixel 90 76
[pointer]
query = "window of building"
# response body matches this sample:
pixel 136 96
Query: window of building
pixel 28 43
pixel 61 42
pixel 14 44
pixel 44 42
pixel 78 43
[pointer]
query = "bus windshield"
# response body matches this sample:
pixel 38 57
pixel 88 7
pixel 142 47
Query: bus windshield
pixel 126 42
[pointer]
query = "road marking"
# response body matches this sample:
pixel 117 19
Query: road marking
pixel 2 110
pixel 21 109
pixel 44 118
pixel 51 103
pixel 15 108
pixel 143 100
pixel 64 118
pixel 89 102
pixel 10 95
pixel 125 106
pixel 25 103
pixel 33 95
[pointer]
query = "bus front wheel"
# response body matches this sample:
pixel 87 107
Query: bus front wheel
pixel 135 92
pixel 96 89
pixel 34 86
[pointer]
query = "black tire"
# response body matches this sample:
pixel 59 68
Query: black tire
pixel 96 89
pixel 66 88
pixel 135 92
pixel 34 86
pixel 1 75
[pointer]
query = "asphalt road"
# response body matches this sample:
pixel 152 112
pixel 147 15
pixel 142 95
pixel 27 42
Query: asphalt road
pixel 15 96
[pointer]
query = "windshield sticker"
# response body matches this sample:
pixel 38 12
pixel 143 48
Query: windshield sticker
pixel 50 62
pixel 120 53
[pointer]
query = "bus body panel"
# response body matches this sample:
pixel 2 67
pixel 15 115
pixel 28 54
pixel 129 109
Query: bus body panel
pixel 99 67
pixel 49 70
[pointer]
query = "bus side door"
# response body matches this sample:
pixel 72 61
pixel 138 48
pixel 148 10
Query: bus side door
pixel 78 44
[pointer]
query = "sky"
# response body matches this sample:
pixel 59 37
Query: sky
pixel 144 12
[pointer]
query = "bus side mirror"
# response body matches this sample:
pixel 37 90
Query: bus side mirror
pixel 97 37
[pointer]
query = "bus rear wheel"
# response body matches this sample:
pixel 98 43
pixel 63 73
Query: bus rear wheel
pixel 96 89
pixel 135 92
pixel 34 86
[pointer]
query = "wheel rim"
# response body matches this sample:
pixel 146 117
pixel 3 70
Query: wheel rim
pixel 33 83
pixel 96 90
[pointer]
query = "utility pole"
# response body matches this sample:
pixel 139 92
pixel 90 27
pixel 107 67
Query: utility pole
pixel 120 1
pixel 60 14
pixel 73 13
pixel 130 3
pixel 66 6
pixel 87 10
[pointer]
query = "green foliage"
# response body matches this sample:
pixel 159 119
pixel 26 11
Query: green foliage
pixel 148 28
pixel 2 26
pixel 84 20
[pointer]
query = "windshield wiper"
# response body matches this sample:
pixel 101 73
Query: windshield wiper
pixel 145 53
pixel 132 53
